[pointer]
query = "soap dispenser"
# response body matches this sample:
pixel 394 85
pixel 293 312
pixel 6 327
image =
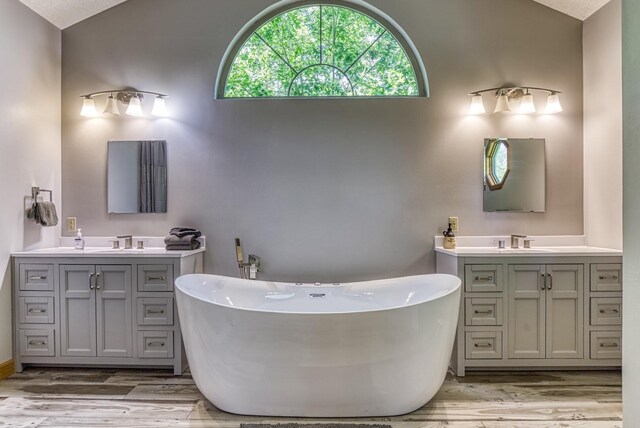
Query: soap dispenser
pixel 449 239
pixel 79 241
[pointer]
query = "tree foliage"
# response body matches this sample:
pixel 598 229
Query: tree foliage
pixel 322 50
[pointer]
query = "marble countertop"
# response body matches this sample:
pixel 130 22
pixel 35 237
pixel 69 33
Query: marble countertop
pixel 105 252
pixel 553 251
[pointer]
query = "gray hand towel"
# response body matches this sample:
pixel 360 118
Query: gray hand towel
pixel 184 231
pixel 177 240
pixel 46 214
pixel 183 247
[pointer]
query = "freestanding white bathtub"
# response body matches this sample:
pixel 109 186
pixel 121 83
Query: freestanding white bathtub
pixel 376 348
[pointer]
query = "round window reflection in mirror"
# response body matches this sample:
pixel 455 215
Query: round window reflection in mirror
pixel 497 163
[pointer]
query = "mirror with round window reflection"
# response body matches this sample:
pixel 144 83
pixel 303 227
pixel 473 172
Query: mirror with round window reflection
pixel 514 175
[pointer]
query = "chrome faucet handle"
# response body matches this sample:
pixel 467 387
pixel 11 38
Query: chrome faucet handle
pixel 502 244
pixel 527 243
pixel 115 244
pixel 255 261
pixel 515 241
pixel 128 241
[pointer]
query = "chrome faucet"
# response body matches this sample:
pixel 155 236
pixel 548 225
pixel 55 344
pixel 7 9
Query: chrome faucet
pixel 515 241
pixel 250 269
pixel 128 241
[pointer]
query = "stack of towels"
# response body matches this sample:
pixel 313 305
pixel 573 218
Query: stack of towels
pixel 182 239
pixel 44 213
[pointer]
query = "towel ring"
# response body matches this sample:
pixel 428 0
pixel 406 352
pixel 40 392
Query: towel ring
pixel 35 191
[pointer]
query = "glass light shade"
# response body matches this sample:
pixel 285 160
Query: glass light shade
pixel 111 107
pixel 553 104
pixel 88 108
pixel 159 107
pixel 135 107
pixel 502 106
pixel 527 106
pixel 477 105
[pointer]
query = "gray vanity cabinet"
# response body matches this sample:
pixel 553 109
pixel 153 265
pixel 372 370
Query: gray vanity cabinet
pixel 546 307
pixel 96 310
pixel 99 311
pixel 536 311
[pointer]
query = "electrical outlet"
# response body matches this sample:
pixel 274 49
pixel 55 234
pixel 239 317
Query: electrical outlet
pixel 71 224
pixel 454 223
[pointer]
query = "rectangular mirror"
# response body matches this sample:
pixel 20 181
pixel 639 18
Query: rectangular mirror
pixel 136 177
pixel 514 175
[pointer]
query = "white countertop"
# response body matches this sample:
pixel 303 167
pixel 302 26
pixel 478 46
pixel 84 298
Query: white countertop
pixel 555 251
pixel 105 252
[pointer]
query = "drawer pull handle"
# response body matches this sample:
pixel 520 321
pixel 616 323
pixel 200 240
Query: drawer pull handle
pixel 155 311
pixel 38 342
pixel 156 343
pixel 156 278
pixel 483 345
pixel 488 278
pixel 614 277
pixel 37 311
pixel 487 312
pixel 38 277
pixel 609 311
pixel 608 345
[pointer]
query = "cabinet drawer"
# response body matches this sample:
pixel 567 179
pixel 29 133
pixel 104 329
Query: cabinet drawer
pixel 483 311
pixel 606 345
pixel 482 278
pixel 37 343
pixel 36 277
pixel 606 277
pixel 483 345
pixel 155 278
pixel 155 344
pixel 155 311
pixel 606 311
pixel 36 310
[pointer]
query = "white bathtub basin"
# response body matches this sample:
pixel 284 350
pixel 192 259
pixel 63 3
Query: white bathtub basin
pixel 375 348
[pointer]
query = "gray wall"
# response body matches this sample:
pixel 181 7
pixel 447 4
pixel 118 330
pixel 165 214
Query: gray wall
pixel 602 36
pixel 324 189
pixel 29 138
pixel 631 298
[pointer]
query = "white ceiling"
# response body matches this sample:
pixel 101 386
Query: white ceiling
pixel 64 13
pixel 581 9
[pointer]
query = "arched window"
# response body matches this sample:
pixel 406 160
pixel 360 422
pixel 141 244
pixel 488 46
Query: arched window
pixel 333 49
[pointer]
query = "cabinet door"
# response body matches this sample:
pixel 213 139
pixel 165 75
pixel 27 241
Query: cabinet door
pixel 565 308
pixel 526 311
pixel 78 311
pixel 114 308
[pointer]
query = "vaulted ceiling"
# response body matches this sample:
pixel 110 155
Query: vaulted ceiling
pixel 64 13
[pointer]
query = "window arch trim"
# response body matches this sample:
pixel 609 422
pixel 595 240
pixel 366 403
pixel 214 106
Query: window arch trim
pixel 358 5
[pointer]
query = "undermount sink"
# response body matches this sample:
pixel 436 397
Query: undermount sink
pixel 526 250
pixel 125 251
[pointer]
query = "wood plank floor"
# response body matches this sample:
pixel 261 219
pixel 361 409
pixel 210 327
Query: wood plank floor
pixel 128 398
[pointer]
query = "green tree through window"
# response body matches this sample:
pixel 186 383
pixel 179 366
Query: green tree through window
pixel 319 51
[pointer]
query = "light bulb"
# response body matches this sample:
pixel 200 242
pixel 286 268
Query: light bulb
pixel 502 106
pixel 88 108
pixel 135 107
pixel 527 106
pixel 553 104
pixel 159 107
pixel 111 107
pixel 477 105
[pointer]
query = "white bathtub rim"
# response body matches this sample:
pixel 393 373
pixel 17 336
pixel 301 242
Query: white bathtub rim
pixel 434 298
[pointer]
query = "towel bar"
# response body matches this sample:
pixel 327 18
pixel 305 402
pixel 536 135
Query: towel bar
pixel 35 191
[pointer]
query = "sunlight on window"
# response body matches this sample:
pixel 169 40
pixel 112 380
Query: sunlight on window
pixel 321 51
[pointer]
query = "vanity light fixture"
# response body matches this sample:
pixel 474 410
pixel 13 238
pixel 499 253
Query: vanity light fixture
pixel 88 108
pixel 130 97
pixel 508 94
